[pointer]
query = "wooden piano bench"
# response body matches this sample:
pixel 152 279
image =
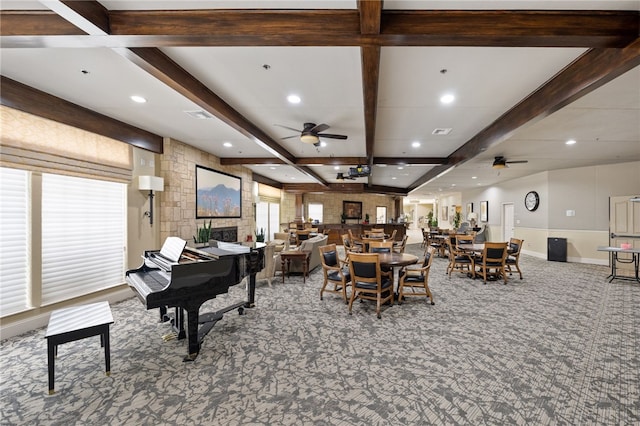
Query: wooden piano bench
pixel 75 323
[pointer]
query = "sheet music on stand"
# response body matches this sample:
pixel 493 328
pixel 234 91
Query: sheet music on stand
pixel 172 248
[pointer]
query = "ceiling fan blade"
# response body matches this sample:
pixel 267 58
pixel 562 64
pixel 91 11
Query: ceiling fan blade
pixel 291 137
pixel 290 128
pixel 517 161
pixel 319 128
pixel 328 135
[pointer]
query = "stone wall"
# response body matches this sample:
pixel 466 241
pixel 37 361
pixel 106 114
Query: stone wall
pixel 178 200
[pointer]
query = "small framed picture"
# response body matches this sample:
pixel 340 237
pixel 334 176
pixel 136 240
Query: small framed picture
pixel 484 211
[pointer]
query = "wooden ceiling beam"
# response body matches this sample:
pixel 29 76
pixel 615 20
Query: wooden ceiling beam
pixel 335 161
pixel 509 28
pixel 24 98
pixel 514 28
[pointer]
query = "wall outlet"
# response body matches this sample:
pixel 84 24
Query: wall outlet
pixel 571 212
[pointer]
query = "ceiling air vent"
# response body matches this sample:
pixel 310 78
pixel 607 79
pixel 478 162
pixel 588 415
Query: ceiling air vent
pixel 441 131
pixel 200 114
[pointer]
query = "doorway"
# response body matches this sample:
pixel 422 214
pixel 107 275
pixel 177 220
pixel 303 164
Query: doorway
pixel 624 227
pixel 508 213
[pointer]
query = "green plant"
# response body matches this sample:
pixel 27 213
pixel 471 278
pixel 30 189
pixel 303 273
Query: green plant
pixel 343 217
pixel 366 217
pixel 430 218
pixel 204 234
pixel 260 235
pixel 457 218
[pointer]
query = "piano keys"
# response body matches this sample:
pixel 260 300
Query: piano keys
pixel 184 278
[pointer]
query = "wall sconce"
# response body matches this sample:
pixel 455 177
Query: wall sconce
pixel 473 219
pixel 150 183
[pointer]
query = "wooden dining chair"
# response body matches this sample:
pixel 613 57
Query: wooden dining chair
pixel 356 242
pixel 416 278
pixel 336 272
pixel 493 261
pixel 513 255
pixel 368 282
pixel 302 235
pixel 377 246
pixel 459 260
pixel 348 245
pixel 399 246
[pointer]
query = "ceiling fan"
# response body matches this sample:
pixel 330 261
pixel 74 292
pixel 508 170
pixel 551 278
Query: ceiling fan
pixel 311 133
pixel 341 176
pixel 501 162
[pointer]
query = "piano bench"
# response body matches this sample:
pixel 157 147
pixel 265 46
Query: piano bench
pixel 75 323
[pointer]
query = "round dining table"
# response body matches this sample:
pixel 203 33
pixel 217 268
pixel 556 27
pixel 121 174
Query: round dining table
pixel 396 260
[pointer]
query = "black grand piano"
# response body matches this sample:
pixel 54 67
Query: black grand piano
pixel 184 278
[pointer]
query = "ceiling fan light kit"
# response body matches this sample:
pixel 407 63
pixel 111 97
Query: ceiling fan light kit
pixel 309 138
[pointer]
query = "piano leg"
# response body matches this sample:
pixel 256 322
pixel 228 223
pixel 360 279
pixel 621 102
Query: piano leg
pixel 251 291
pixel 192 334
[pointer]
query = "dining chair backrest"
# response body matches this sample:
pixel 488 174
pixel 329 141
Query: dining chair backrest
pixel 380 246
pixel 428 257
pixel 302 235
pixel 515 245
pixel 463 239
pixel 377 230
pixel 393 234
pixel 494 252
pixel 365 268
pixel 329 255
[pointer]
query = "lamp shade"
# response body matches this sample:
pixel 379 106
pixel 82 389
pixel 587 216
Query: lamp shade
pixel 150 183
pixel 472 216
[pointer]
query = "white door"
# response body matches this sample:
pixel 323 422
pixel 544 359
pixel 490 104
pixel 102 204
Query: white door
pixel 624 227
pixel 508 212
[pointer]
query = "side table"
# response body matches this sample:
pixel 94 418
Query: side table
pixel 287 256
pixel 75 323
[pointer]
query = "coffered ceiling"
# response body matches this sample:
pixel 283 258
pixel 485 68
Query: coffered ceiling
pixel 526 76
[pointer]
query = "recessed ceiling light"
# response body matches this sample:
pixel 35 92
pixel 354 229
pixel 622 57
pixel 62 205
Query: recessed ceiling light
pixel 138 99
pixel 400 168
pixel 323 144
pixel 474 177
pixel 570 142
pixel 272 168
pixel 336 167
pixel 416 144
pixel 393 178
pixel 294 99
pixel 447 99
pixel 227 144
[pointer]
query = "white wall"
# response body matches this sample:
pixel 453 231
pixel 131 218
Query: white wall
pixel 586 190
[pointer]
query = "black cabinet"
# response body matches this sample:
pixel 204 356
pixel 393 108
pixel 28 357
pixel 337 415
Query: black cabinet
pixel 557 249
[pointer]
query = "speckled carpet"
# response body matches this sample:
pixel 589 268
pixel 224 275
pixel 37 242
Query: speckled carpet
pixel 560 347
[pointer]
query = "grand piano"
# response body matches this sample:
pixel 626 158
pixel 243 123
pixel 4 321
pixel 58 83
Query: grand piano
pixel 181 277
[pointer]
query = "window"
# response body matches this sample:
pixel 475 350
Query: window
pixel 268 218
pixel 83 235
pixel 315 212
pixel 15 242
pixel 381 214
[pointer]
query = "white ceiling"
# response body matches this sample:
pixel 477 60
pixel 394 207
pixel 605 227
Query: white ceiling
pixel 255 81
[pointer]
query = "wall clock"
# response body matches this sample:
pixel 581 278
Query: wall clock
pixel 531 200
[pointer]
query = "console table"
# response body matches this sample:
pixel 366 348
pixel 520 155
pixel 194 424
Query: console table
pixel 287 256
pixel 75 323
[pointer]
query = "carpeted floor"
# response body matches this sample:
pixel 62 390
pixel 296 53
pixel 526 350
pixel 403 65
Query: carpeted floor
pixel 560 347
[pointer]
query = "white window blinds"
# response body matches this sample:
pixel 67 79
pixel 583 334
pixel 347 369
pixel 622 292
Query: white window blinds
pixel 14 243
pixel 83 236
